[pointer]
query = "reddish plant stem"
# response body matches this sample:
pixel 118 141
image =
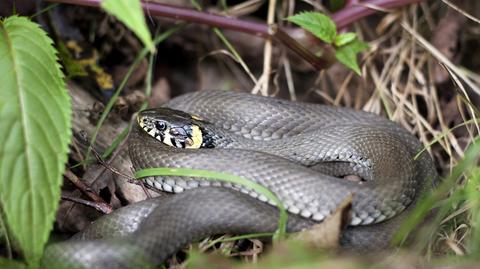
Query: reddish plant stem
pixel 190 15
pixel 352 12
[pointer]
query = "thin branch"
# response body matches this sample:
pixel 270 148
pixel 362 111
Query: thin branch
pixel 98 203
pixel 101 207
pixel 107 165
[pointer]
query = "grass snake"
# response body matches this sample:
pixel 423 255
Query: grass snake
pixel 302 152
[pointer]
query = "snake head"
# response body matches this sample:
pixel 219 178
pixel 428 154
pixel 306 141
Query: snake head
pixel 172 127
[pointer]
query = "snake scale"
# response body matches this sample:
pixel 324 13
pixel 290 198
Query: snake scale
pixel 302 152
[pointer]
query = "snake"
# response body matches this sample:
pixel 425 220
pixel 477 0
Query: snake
pixel 305 154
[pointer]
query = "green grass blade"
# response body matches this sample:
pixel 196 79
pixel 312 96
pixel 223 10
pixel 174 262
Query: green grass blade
pixel 229 45
pixel 219 176
pixel 443 134
pixel 143 53
pixel 442 198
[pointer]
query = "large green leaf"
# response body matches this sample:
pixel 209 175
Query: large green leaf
pixel 35 115
pixel 131 14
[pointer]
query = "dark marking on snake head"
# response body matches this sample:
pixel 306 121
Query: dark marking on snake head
pixel 182 144
pixel 173 141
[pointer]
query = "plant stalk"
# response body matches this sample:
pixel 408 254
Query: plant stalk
pixel 354 11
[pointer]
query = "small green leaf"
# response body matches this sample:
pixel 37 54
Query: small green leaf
pixel 35 129
pixel 131 14
pixel 347 54
pixel 316 23
pixel 343 39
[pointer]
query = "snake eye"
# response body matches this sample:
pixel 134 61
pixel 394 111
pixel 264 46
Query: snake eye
pixel 160 125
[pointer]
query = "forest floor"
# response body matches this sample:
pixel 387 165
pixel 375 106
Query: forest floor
pixel 421 70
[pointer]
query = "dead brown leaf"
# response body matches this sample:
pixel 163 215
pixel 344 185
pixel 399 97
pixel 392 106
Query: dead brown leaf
pixel 326 235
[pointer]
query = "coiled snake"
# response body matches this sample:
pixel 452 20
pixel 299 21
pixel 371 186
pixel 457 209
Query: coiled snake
pixel 299 151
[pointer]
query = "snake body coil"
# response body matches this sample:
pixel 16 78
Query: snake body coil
pixel 301 152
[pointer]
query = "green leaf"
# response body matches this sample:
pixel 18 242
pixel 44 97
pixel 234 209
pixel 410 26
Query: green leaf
pixel 316 23
pixel 343 39
pixel 131 14
pixel 347 54
pixel 35 129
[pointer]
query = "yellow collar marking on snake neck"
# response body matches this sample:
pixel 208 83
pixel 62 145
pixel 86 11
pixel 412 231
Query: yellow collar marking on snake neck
pixel 196 140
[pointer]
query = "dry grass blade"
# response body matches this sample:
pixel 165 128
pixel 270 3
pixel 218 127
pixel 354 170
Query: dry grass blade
pixel 440 57
pixel 464 13
pixel 473 110
pixel 267 51
pixel 244 8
